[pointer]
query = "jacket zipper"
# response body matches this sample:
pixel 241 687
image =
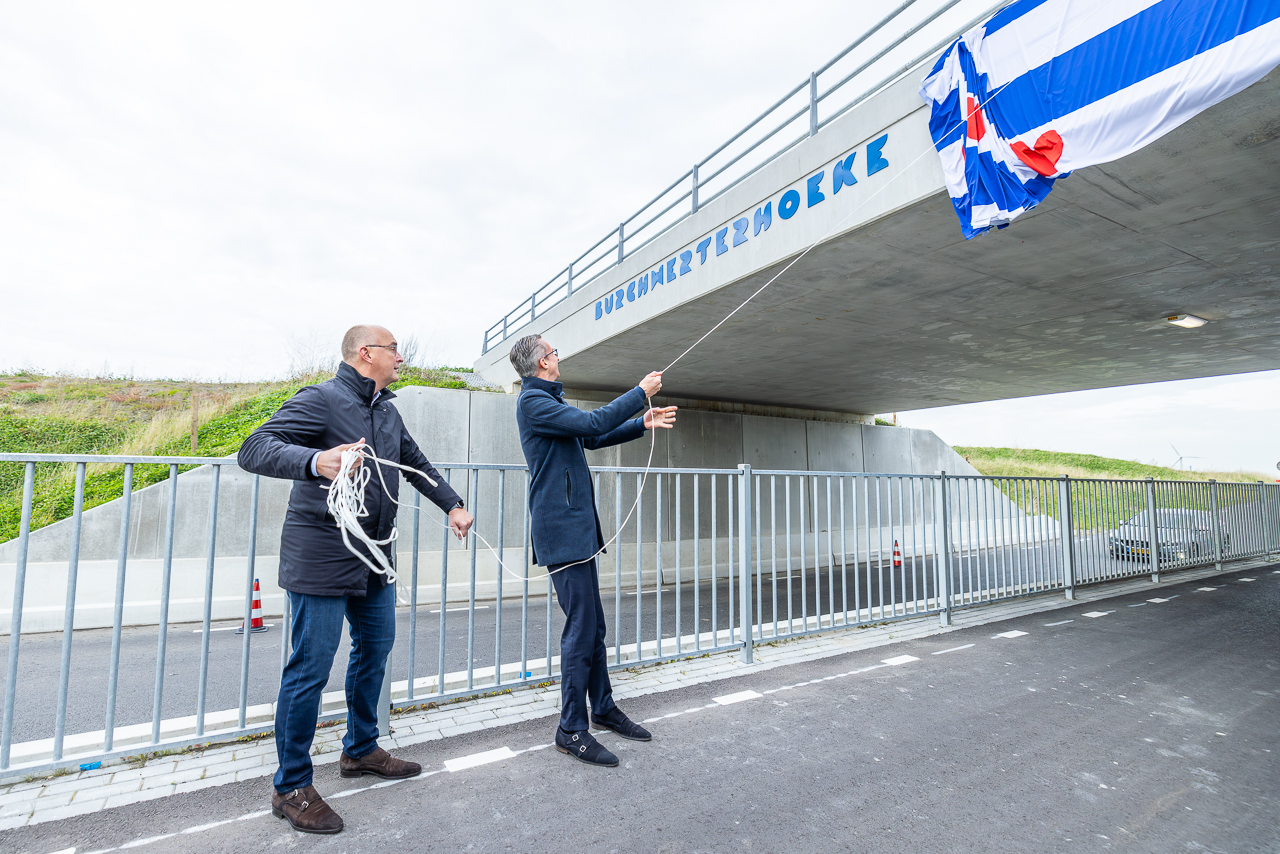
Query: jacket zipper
pixel 568 491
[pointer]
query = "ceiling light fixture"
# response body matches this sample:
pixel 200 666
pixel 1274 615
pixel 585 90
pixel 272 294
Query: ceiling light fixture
pixel 1186 321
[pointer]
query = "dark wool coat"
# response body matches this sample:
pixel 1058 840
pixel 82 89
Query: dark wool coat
pixel 564 524
pixel 313 558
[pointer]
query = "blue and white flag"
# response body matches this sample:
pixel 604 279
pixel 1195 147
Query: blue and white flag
pixel 1048 86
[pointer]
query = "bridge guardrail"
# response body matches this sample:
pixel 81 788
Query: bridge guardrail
pixel 710 560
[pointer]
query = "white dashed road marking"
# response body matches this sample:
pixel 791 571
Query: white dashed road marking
pixel 138 843
pixel 1096 614
pixel 1013 634
pixel 464 762
pixel 1205 589
pixel 1137 604
pixel 1246 579
pixel 900 659
pixel 1059 623
pixel 954 649
pixel 1158 601
pixel 730 699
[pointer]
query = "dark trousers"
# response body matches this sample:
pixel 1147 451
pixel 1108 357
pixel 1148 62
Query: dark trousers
pixel 317 630
pixel 584 670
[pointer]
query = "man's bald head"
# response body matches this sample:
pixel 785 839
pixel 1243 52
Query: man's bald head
pixel 359 336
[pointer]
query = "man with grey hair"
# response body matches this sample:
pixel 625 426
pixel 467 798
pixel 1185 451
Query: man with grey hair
pixel 566 533
pixel 325 581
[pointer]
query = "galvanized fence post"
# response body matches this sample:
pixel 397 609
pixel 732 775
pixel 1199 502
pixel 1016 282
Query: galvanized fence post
pixel 384 695
pixel 246 624
pixel 1269 530
pixel 744 560
pixel 1264 533
pixel 694 190
pixel 813 103
pixel 942 548
pixel 1065 531
pixel 1153 542
pixel 1217 525
pixel 15 616
pixel 122 560
pixel 69 614
pixel 210 562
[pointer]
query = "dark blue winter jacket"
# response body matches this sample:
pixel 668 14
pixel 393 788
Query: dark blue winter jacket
pixel 562 505
pixel 313 558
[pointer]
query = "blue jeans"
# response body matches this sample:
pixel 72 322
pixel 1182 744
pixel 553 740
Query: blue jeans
pixel 317 629
pixel 584 666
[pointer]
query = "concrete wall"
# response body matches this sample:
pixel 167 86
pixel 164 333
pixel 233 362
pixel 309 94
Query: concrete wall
pixel 458 427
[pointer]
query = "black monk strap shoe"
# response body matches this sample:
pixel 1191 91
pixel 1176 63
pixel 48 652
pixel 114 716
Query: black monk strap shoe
pixel 379 763
pixel 622 725
pixel 584 748
pixel 306 811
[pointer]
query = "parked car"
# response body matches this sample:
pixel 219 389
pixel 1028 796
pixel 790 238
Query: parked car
pixel 1180 535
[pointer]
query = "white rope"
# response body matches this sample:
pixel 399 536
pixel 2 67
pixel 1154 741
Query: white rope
pixel 346 493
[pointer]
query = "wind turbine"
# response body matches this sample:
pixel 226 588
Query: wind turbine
pixel 1181 457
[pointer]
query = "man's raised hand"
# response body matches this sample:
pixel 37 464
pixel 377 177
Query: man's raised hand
pixel 652 384
pixel 660 416
pixel 460 522
pixel 329 462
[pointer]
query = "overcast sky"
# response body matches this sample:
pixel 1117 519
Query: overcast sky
pixel 202 190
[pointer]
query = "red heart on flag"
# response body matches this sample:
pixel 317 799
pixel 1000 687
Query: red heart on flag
pixel 1045 156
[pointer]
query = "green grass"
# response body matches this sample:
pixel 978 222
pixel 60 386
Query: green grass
pixel 1093 509
pixel 54 495
pixel 1028 462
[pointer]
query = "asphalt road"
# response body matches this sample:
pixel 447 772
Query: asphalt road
pixel 806 594
pixel 1150 728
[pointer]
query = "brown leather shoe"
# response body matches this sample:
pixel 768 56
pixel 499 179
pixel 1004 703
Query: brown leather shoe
pixel 306 811
pixel 378 762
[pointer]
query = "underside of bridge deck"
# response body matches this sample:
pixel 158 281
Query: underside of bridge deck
pixel 904 314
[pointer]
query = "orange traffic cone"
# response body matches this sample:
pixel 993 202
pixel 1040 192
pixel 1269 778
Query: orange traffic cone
pixel 897 556
pixel 255 616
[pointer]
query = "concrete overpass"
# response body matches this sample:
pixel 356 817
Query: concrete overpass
pixel 893 310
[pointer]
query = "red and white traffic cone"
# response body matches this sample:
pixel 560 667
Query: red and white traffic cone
pixel 255 616
pixel 897 556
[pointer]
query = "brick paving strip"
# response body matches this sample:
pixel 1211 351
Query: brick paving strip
pixel 37 801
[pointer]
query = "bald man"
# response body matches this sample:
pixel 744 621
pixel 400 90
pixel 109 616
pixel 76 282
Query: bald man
pixel 325 582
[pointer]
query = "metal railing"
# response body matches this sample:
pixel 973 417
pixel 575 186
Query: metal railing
pixel 710 560
pixel 792 119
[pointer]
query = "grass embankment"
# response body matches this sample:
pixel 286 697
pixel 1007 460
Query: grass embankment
pixel 1093 509
pixel 1019 462
pixel 78 415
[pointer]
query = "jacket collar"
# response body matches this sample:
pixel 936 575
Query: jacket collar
pixel 363 387
pixel 556 389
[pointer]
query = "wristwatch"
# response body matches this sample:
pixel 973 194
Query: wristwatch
pixel 459 506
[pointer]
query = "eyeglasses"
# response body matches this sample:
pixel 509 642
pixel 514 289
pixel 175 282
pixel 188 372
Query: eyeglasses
pixel 391 347
pixel 555 353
